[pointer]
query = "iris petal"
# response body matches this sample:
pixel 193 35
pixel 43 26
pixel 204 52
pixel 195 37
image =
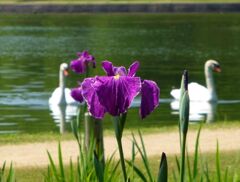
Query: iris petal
pixel 90 95
pixel 78 66
pixel 76 93
pixel 133 68
pixel 108 68
pixel 150 97
pixel 116 94
pixel 120 71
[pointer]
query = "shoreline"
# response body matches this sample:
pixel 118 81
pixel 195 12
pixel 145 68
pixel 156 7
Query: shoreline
pixel 123 8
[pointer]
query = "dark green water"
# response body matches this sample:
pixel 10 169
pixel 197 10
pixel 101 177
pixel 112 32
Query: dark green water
pixel 33 46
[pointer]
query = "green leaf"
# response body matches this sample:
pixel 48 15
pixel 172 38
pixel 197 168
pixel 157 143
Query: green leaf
pixel 175 176
pixel 113 172
pixel 60 159
pixel 206 173
pixel 189 167
pixel 182 88
pixel 75 130
pixel 178 164
pixel 195 164
pixel 133 152
pixel 163 169
pixel 184 113
pixel 53 167
pixel 143 156
pixel 226 175
pixel 99 168
pixel 71 171
pixel 2 172
pixel 137 170
pixel 218 164
pixel 11 174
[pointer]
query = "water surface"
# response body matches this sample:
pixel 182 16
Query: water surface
pixel 32 47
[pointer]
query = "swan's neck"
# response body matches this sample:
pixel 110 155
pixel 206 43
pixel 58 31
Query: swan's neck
pixel 210 83
pixel 62 84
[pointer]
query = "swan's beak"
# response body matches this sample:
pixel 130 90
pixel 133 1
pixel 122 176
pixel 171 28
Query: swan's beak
pixel 217 69
pixel 65 72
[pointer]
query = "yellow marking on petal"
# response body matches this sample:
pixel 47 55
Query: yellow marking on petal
pixel 116 77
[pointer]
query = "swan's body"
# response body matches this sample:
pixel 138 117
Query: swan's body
pixel 62 95
pixel 199 111
pixel 198 92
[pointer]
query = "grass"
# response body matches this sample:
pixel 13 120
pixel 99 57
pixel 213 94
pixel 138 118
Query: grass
pixel 110 1
pixel 228 159
pixel 54 136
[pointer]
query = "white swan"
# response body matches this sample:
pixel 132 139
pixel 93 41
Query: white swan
pixel 198 92
pixel 199 111
pixel 62 95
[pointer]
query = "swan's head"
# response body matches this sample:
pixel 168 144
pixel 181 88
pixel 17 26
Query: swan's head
pixel 64 69
pixel 213 65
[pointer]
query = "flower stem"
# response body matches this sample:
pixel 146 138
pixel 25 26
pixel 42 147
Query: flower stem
pixel 122 159
pixel 118 126
pixel 183 146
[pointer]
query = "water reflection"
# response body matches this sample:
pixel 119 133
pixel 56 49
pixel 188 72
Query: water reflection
pixel 32 49
pixel 199 111
pixel 63 114
pixel 202 111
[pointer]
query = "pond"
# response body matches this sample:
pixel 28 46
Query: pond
pixel 33 46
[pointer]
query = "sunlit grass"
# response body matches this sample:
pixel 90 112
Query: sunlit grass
pixel 228 159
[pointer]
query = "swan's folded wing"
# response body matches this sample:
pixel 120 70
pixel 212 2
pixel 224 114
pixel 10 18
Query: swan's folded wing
pixel 175 93
pixel 55 97
pixel 198 92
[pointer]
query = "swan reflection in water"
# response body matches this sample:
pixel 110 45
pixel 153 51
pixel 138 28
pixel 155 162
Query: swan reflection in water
pixel 63 107
pixel 63 114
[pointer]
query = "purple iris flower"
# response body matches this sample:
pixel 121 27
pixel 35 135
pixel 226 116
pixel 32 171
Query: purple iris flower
pixel 76 94
pixel 80 64
pixel 115 92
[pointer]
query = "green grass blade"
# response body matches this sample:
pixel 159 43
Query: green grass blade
pixel 218 164
pixel 53 167
pixel 178 164
pixel 3 167
pixel 163 169
pixel 71 171
pixel 226 175
pixel 189 167
pixel 145 157
pixel 195 163
pixel 11 174
pixel 2 172
pixel 78 169
pixel 48 177
pixel 206 173
pixel 133 152
pixel 60 159
pixel 174 176
pixel 145 162
pixel 113 172
pixel 138 171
